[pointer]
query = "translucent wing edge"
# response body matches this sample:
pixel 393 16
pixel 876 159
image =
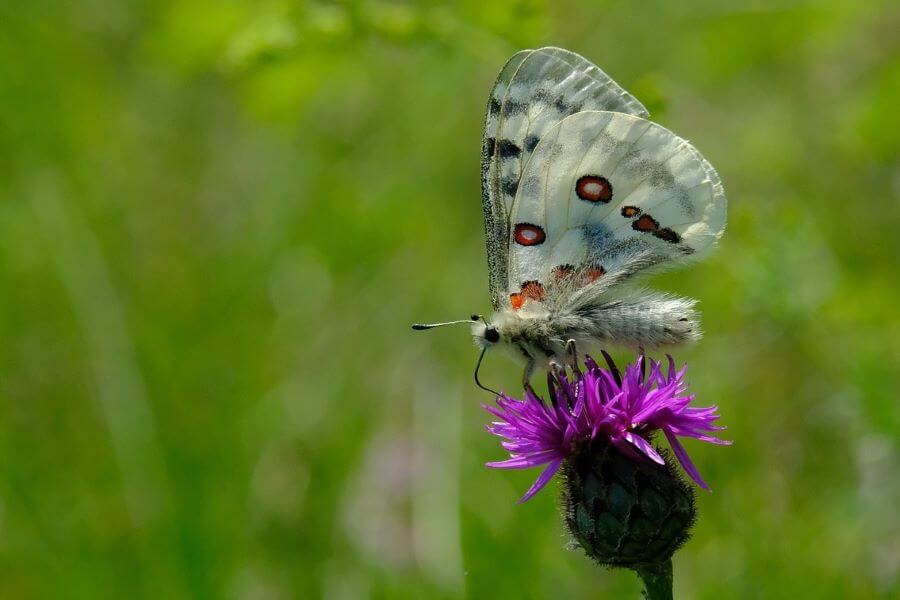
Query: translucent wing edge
pixel 649 263
pixel 589 68
pixel 496 220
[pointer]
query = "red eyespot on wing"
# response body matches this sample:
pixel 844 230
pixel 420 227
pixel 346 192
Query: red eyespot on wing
pixel 563 271
pixel 630 211
pixel 645 223
pixel 594 188
pixel 527 234
pixel 533 290
pixel 593 273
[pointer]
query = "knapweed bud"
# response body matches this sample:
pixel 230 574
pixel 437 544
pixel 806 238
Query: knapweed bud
pixel 625 510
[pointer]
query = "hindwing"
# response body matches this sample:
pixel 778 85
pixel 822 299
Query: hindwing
pixel 604 196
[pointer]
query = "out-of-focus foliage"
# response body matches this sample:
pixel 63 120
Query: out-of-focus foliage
pixel 217 220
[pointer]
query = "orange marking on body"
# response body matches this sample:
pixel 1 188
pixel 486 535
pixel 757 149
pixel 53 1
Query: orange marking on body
pixel 516 300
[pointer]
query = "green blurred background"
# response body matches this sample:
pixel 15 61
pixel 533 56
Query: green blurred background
pixel 217 220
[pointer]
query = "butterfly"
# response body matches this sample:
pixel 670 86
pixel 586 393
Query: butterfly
pixel 582 195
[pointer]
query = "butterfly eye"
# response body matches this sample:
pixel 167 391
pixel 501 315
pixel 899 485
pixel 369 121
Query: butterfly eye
pixel 492 335
pixel 594 188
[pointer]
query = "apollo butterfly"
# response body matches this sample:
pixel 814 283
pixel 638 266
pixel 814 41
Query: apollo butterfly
pixel 582 194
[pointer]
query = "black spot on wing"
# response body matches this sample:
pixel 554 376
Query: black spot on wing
pixel 509 150
pixel 531 142
pixel 541 96
pixel 494 107
pixel 668 235
pixel 489 145
pixel 605 143
pixel 635 164
pixel 510 185
pixel 661 176
pixel 565 108
pixel 513 107
pixel 684 200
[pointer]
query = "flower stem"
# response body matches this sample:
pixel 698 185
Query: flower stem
pixel 657 580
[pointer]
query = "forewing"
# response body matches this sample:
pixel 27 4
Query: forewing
pixel 535 90
pixel 605 196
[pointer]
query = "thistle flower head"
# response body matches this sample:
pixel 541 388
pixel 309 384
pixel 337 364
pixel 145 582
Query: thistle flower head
pixel 600 405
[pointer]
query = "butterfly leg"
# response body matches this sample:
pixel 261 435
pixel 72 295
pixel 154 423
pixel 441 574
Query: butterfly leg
pixel 557 370
pixel 643 362
pixel 526 375
pixel 612 366
pixel 572 355
pixel 555 367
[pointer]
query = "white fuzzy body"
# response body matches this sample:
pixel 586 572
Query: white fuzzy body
pixel 538 336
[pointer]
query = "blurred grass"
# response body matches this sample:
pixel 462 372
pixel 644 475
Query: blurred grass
pixel 217 220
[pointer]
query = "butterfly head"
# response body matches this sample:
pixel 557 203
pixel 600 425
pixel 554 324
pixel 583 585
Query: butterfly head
pixel 484 334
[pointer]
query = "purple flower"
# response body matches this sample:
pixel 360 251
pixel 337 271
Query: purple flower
pixel 599 404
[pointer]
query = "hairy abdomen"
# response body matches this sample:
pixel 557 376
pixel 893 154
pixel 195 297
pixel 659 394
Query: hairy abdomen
pixel 648 320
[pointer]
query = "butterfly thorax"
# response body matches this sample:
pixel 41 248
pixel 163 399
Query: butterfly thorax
pixel 532 334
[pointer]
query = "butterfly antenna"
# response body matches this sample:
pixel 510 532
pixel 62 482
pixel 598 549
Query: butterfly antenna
pixel 424 326
pixel 477 368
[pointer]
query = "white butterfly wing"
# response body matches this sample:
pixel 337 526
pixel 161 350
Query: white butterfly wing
pixel 604 196
pixel 535 90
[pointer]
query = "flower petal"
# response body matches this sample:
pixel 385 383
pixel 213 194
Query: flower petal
pixel 644 446
pixel 524 461
pixel 542 480
pixel 605 405
pixel 685 460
